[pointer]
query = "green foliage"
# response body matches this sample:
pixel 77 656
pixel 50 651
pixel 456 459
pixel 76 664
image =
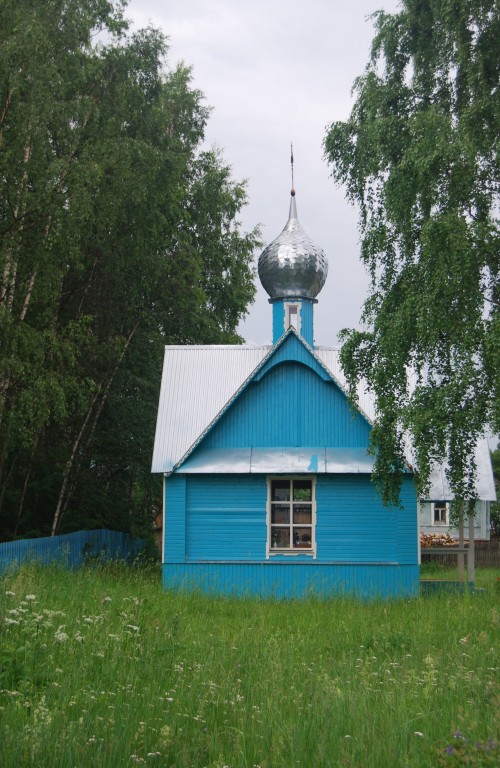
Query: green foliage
pixel 106 669
pixel 419 156
pixel 117 235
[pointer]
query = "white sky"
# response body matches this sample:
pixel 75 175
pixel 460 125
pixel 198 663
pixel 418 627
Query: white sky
pixel 276 72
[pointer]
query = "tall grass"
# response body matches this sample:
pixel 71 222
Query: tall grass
pixel 100 667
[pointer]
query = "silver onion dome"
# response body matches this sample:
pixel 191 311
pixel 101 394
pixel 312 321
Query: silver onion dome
pixel 292 265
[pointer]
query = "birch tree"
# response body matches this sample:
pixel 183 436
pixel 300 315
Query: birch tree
pixel 105 255
pixel 419 156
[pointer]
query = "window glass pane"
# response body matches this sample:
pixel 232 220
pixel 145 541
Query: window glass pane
pixel 440 513
pixel 280 490
pixel 280 538
pixel 280 513
pixel 302 538
pixel 302 490
pixel 302 513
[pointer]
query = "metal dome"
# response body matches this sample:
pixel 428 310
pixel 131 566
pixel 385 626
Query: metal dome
pixel 292 266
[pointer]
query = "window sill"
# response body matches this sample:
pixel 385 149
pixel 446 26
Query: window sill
pixel 292 552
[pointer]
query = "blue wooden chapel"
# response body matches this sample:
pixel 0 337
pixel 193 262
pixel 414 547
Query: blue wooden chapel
pixel 267 487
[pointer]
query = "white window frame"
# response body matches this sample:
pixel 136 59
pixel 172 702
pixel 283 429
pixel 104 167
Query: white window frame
pixel 296 305
pixel 310 551
pixel 440 505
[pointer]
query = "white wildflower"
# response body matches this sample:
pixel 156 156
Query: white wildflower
pixel 30 598
pixel 418 733
pixel 10 621
pixel 60 636
pixel 10 593
pixel 133 627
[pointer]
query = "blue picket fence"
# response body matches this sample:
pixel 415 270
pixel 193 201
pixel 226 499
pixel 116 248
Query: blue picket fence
pixel 70 549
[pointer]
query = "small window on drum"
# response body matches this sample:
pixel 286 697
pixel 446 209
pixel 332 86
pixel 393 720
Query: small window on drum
pixel 292 316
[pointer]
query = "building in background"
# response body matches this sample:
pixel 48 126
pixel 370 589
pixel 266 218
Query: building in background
pixel 436 509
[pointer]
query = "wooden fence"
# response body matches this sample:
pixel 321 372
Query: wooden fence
pixel 70 549
pixel 486 555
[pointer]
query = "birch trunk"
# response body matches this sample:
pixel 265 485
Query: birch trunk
pixel 69 465
pixel 461 538
pixel 471 554
pixel 9 275
pixel 73 463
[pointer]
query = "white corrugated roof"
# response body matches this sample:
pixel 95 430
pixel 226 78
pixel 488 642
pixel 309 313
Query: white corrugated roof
pixel 439 489
pixel 196 384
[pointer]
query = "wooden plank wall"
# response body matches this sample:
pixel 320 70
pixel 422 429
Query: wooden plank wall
pixel 487 555
pixel 71 549
pixel 293 580
pixel 290 406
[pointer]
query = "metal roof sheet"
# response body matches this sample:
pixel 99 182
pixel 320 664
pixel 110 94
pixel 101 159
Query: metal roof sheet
pixel 197 382
pixel 279 460
pixel 439 489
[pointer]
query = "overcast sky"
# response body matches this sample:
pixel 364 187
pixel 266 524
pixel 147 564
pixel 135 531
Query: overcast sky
pixel 276 72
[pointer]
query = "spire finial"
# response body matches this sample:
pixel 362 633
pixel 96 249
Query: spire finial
pixel 291 163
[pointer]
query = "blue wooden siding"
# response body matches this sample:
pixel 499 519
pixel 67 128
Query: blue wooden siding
pixel 353 524
pixel 292 580
pixel 226 517
pixel 291 406
pixel 306 326
pixel 291 350
pixel 223 518
pixel 407 523
pixel 175 519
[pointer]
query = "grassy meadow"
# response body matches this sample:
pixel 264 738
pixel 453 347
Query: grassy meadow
pixel 100 667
